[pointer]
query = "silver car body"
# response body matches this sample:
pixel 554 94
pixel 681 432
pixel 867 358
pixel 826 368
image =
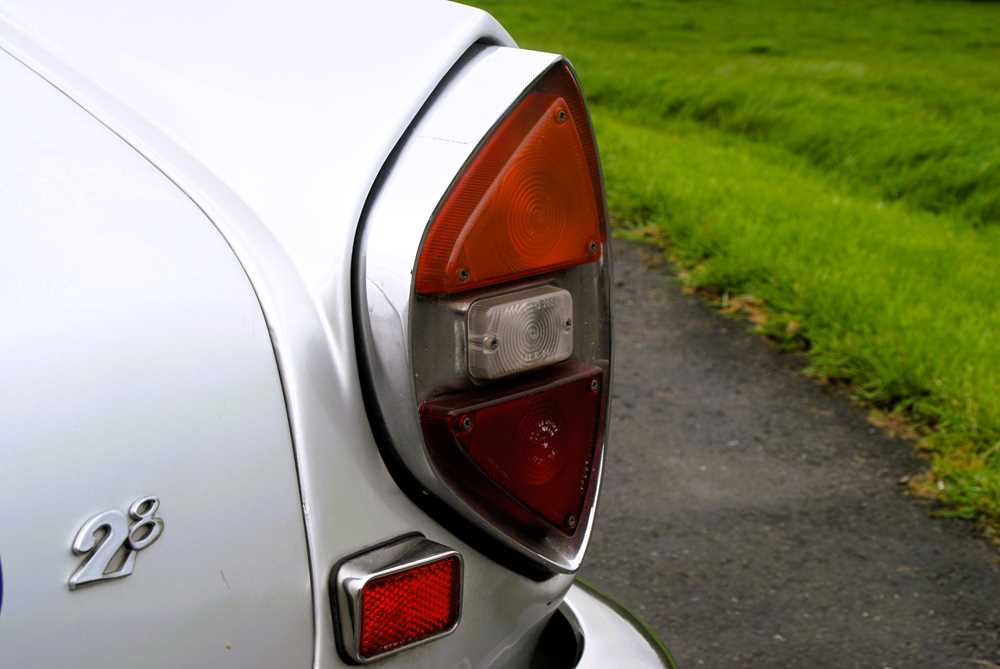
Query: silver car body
pixel 180 191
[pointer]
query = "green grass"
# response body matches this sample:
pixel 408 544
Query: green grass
pixel 839 161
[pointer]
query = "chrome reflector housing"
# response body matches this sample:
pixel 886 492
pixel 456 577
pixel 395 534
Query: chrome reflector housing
pixel 353 576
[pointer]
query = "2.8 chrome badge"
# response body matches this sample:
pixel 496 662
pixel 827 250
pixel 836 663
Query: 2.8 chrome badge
pixel 110 542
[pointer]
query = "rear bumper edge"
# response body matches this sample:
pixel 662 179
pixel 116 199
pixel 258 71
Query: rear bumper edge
pixel 605 635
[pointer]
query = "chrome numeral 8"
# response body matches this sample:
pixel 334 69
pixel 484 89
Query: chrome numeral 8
pixel 143 512
pixel 102 537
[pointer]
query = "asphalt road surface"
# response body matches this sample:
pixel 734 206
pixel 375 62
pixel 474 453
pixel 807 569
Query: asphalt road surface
pixel 753 517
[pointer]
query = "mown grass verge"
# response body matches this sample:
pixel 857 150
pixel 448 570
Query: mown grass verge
pixel 834 165
pixel 901 304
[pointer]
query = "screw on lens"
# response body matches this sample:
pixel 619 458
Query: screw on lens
pixel 466 423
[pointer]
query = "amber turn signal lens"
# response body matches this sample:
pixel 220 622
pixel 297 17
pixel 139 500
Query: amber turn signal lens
pixel 529 202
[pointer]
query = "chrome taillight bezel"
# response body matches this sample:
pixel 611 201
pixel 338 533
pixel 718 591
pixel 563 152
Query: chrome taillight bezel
pixel 412 346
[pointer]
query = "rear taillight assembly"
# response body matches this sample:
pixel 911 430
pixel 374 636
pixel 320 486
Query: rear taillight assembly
pixel 499 406
pixel 527 210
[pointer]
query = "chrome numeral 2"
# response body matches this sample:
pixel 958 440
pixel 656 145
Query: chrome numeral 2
pixel 103 536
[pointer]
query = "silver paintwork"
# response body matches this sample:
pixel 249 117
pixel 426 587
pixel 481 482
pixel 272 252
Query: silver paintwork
pixel 413 352
pixel 277 165
pixel 135 359
pixel 102 537
pixel 354 574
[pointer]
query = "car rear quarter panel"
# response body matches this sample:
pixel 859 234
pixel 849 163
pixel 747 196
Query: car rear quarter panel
pixel 276 122
pixel 135 361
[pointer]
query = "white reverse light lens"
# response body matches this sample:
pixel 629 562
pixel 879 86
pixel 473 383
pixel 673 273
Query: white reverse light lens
pixel 519 331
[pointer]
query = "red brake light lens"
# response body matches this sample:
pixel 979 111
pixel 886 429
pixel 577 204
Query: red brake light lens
pixel 407 607
pixel 537 445
pixel 530 200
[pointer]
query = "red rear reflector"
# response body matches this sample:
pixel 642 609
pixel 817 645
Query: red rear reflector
pixel 530 201
pixel 538 444
pixel 409 606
